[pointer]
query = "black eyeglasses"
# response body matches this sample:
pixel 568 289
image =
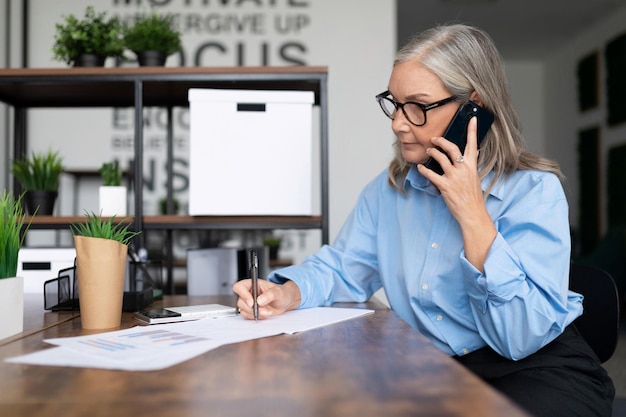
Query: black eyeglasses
pixel 415 113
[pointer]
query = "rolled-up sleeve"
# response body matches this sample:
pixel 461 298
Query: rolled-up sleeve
pixel 520 302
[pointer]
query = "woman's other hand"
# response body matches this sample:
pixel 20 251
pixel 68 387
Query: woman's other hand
pixel 273 300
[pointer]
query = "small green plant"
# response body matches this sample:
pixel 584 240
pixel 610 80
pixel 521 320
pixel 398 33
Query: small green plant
pixel 95 34
pixel 153 32
pixel 272 241
pixel 12 233
pixel 163 205
pixel 96 226
pixel 111 174
pixel 41 171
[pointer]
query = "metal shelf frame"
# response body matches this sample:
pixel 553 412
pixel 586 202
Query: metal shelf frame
pixel 161 87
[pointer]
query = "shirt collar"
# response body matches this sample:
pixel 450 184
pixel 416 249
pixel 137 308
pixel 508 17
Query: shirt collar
pixel 420 182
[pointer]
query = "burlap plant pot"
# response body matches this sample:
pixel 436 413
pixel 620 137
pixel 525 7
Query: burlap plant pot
pixel 100 270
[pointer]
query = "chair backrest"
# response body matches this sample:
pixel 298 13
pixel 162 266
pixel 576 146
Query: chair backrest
pixel 599 323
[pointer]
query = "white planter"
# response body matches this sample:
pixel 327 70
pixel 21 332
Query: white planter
pixel 113 200
pixel 11 306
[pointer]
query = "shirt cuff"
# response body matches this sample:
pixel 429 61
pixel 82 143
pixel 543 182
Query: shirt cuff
pixel 308 293
pixel 501 279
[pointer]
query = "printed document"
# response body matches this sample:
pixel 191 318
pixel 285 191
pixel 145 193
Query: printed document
pixel 154 347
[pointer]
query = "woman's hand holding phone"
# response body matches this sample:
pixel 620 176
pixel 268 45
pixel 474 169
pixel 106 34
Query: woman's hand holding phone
pixel 456 132
pixel 461 189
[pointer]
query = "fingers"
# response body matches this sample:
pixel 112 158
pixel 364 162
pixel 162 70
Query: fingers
pixel 447 153
pixel 243 290
pixel 471 149
pixel 440 154
pixel 273 300
pixel 267 293
pixel 245 303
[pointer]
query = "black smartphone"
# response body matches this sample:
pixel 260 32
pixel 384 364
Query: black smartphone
pixel 184 313
pixel 457 129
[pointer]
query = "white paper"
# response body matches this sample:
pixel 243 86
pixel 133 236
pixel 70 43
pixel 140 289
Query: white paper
pixel 149 348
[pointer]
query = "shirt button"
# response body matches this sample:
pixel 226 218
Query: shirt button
pixel 439 317
pixel 435 245
pixel 425 287
pixel 465 351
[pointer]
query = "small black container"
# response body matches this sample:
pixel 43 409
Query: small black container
pixel 40 198
pixel 89 60
pixel 151 58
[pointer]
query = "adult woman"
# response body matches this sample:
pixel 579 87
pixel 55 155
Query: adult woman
pixel 476 259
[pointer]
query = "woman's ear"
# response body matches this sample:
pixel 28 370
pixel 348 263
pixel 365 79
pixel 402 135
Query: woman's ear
pixel 474 97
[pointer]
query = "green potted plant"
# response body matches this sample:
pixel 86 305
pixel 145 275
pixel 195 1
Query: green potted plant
pixel 112 194
pixel 12 233
pixel 163 205
pixel 101 249
pixel 88 41
pixel 273 243
pixel 39 176
pixel 111 174
pixel 152 38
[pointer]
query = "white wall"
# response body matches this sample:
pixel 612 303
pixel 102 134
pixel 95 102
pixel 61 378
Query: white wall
pixel 9 58
pixel 563 120
pixel 526 82
pixel 10 12
pixel 4 149
pixel 360 139
pixel 354 38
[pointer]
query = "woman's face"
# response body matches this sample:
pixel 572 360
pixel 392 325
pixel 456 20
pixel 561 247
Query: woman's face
pixel 411 81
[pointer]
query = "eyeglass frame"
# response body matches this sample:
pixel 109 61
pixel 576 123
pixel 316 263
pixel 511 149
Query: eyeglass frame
pixel 425 107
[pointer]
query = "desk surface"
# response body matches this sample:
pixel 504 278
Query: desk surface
pixel 36 319
pixel 375 365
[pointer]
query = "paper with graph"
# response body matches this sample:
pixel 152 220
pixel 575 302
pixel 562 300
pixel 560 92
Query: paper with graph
pixel 148 348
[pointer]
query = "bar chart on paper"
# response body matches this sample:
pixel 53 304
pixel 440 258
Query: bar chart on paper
pixel 146 348
pixel 164 337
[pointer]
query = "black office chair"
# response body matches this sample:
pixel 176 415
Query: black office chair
pixel 599 323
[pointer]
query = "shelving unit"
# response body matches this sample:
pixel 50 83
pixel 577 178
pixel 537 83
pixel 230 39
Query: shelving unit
pixel 165 87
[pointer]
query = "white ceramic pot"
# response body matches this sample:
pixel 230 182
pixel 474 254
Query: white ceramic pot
pixel 11 306
pixel 113 200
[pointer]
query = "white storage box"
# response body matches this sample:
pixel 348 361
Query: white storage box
pixel 38 265
pixel 250 152
pixel 213 271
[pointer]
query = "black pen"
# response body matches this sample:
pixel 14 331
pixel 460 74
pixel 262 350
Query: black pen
pixel 254 273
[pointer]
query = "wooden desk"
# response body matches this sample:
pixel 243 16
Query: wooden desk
pixel 375 365
pixel 36 319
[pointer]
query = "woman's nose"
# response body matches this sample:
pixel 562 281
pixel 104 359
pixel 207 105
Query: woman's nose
pixel 399 122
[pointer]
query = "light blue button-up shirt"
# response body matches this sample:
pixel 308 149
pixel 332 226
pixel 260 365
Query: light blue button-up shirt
pixel 411 245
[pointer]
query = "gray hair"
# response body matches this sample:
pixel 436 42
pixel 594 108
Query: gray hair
pixel 466 60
